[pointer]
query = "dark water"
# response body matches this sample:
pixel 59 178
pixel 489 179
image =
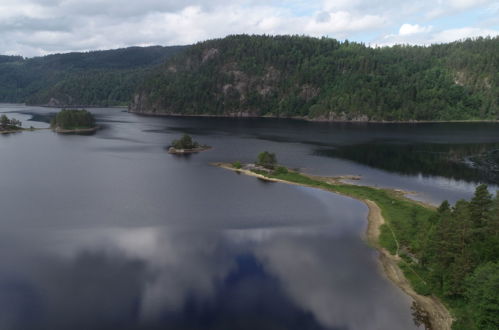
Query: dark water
pixel 110 232
pixel 472 162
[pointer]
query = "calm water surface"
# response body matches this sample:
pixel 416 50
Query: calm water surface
pixel 108 231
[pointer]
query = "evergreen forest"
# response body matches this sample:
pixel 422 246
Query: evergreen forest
pixel 455 254
pixel 326 79
pixel 73 119
pixel 97 78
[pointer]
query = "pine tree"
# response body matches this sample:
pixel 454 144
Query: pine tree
pixel 443 252
pixel 490 247
pixel 480 205
pixel 462 235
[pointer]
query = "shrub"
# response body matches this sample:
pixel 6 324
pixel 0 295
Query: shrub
pixel 237 164
pixel 281 170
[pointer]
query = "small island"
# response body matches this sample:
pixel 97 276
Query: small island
pixel 185 145
pixel 8 125
pixel 74 121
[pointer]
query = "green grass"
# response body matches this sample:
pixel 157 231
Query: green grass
pixel 413 274
pixel 398 212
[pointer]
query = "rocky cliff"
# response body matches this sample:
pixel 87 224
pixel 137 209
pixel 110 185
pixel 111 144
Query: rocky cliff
pixel 324 79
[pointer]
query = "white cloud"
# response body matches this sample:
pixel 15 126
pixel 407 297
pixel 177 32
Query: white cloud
pixel 429 37
pixel 34 27
pixel 342 21
pixel 461 33
pixel 410 29
pixel 464 4
pixel 448 7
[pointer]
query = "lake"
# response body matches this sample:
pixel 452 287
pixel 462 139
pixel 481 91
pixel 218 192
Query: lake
pixel 108 231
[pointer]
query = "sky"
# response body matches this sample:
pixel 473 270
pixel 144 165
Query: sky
pixel 39 27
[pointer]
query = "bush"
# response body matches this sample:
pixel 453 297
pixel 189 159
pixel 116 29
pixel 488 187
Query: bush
pixel 237 165
pixel 281 170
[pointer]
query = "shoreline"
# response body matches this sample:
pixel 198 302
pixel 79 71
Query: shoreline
pixel 438 315
pixel 174 151
pixel 313 120
pixel 76 130
pixel 13 131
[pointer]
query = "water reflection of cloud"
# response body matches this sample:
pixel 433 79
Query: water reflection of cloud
pixel 143 276
pixel 334 280
pixel 178 263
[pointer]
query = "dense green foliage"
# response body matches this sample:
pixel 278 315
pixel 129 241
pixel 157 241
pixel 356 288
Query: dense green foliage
pixel 92 78
pixel 8 124
pixel 185 142
pixel 292 76
pixel 461 253
pixel 452 252
pixel 73 119
pixel 266 159
pixel 483 297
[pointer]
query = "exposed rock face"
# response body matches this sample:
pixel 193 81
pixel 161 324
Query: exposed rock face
pixel 309 92
pixel 53 102
pixel 208 54
pixel 333 116
pixel 61 101
pixel 139 103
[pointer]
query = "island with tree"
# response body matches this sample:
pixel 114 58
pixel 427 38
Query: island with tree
pixel 8 125
pixel 74 121
pixel 185 145
pixel 266 163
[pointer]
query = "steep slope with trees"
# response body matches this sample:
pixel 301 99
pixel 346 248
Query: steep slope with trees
pixel 324 79
pixel 93 78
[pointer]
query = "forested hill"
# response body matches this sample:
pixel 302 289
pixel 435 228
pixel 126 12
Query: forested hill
pixel 92 78
pixel 324 79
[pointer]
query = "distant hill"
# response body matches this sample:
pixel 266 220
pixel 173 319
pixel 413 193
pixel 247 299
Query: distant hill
pixel 324 79
pixel 100 78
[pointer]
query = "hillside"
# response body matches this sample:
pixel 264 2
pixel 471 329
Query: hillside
pixel 93 78
pixel 324 79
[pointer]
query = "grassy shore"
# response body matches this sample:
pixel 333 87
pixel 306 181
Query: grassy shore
pixel 20 129
pixel 389 211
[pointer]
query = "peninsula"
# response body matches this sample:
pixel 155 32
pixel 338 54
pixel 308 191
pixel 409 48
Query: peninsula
pixel 412 252
pixel 74 121
pixel 8 125
pixel 185 145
